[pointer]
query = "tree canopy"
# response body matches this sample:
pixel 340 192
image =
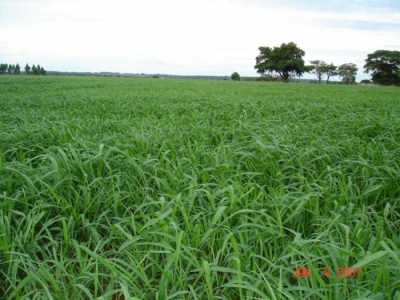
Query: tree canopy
pixel 385 66
pixel 235 76
pixel 329 70
pixel 317 69
pixel 286 60
pixel 16 69
pixel 348 73
pixel 3 68
pixel 27 69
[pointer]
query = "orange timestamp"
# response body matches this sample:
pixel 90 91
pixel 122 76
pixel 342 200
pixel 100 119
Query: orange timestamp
pixel 349 272
pixel 342 272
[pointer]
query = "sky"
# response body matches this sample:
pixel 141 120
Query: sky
pixel 186 37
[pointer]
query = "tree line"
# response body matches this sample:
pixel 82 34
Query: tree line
pixel 287 61
pixel 16 69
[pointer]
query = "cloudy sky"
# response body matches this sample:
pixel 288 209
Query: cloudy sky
pixel 186 37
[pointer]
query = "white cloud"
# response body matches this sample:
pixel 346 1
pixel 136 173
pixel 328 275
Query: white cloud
pixel 182 37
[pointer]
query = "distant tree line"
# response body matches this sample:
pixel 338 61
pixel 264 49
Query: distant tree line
pixel 347 72
pixel 10 69
pixel 35 70
pixel 287 61
pixel 16 69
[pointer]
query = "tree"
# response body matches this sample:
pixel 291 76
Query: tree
pixel 318 69
pixel 11 69
pixel 3 68
pixel 34 70
pixel 235 76
pixel 286 60
pixel 385 66
pixel 38 70
pixel 348 73
pixel 329 70
pixel 27 69
pixel 17 70
pixel 42 71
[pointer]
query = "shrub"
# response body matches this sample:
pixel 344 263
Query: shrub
pixel 366 81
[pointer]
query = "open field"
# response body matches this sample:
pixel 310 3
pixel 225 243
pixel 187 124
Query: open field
pixel 119 188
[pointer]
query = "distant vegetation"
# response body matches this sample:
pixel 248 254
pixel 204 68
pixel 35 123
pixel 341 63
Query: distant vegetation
pixel 284 63
pixel 16 69
pixel 10 69
pixel 365 81
pixel 138 75
pixel 235 76
pixel 287 61
pixel 384 66
pixel 321 68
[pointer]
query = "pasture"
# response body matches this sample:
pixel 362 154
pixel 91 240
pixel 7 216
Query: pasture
pixel 120 188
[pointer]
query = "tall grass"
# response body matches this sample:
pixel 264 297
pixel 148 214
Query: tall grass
pixel 114 188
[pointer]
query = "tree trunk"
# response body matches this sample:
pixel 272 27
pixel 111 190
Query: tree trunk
pixel 286 78
pixel 327 79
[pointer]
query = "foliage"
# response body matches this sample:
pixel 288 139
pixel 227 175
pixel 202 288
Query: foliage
pixel 235 76
pixel 366 81
pixel 183 189
pixel 11 69
pixel 330 70
pixel 17 70
pixel 268 77
pixel 34 70
pixel 286 60
pixel 3 68
pixel 27 69
pixel 385 67
pixel 263 78
pixel 348 73
pixel 318 69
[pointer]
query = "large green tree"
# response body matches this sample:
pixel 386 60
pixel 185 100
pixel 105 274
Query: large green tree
pixel 385 66
pixel 348 73
pixel 286 60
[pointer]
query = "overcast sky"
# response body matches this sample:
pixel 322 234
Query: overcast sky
pixel 207 37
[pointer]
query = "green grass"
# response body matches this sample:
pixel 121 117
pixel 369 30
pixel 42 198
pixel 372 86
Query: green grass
pixel 117 188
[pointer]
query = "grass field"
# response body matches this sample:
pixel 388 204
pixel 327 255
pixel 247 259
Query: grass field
pixel 118 188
